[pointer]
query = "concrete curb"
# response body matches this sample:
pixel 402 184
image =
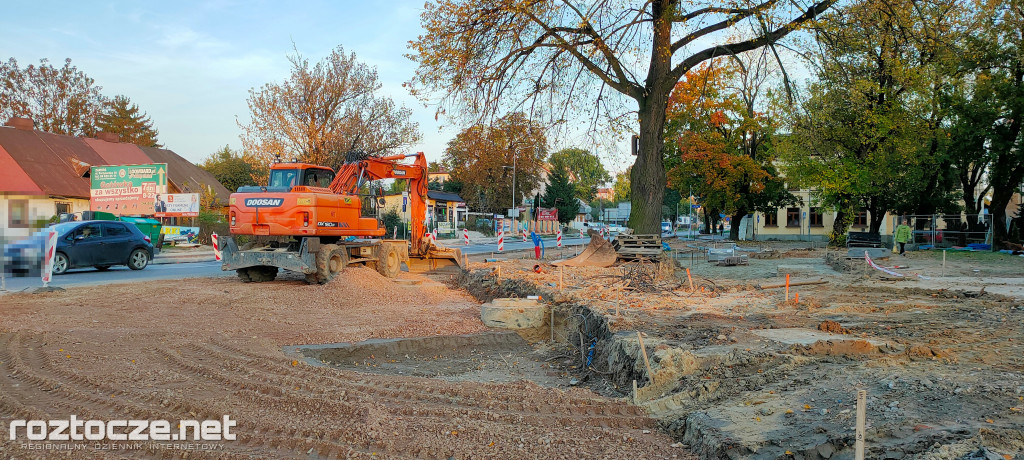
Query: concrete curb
pixel 164 258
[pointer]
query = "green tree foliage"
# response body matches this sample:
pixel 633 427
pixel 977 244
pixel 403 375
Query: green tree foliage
pixel 585 169
pixel 622 189
pixel 718 143
pixel 560 194
pixel 121 116
pixel 231 169
pixel 481 158
pixel 862 136
pixel 989 112
pixel 325 111
pixel 60 100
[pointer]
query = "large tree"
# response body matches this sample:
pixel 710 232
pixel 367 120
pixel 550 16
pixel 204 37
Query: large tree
pixel 122 117
pixel 862 136
pixel 993 116
pixel 584 168
pixel 486 158
pixel 718 139
pixel 323 112
pixel 484 56
pixel 60 100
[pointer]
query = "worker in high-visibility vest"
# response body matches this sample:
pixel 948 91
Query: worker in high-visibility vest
pixel 903 236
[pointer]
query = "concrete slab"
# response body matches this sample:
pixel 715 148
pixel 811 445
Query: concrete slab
pixel 801 336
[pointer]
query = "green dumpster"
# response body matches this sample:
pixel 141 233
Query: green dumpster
pixel 149 227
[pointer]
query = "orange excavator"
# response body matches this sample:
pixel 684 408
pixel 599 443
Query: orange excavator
pixel 309 219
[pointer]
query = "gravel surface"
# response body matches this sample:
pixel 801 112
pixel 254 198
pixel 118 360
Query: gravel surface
pixel 203 348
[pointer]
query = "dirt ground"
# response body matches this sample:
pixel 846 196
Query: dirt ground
pixel 740 372
pixel 204 348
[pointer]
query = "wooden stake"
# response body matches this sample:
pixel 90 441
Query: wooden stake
pixel 787 287
pixel 862 403
pixel 552 324
pixel 635 392
pixel 499 275
pixel 801 283
pixel 797 298
pixel 561 272
pixel 647 363
pixel 583 352
pixel 689 278
pixel 943 263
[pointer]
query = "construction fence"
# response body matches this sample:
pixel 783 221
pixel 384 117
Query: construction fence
pixel 948 230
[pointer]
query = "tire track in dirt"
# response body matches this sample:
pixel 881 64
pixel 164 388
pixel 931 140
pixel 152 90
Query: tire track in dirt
pixel 571 411
pixel 98 407
pixel 268 392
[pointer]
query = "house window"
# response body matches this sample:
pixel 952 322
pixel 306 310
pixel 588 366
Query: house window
pixel 861 219
pixel 62 208
pixel 792 217
pixel 815 218
pixel 771 219
pixel 17 213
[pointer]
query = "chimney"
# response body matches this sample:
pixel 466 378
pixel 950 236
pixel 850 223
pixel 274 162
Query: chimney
pixel 22 123
pixel 109 137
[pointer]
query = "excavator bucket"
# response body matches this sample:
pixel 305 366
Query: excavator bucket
pixel 599 253
pixel 437 258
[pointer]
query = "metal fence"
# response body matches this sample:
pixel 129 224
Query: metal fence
pixel 948 230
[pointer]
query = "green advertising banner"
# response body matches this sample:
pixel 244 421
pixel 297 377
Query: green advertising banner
pixel 128 189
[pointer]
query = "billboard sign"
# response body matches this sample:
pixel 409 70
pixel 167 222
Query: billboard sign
pixel 547 214
pixel 128 189
pixel 177 205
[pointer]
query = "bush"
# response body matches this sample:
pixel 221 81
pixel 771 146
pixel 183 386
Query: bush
pixel 391 220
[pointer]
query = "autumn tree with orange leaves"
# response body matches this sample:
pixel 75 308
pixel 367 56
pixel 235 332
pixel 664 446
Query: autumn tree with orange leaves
pixel 566 61
pixel 324 112
pixel 718 144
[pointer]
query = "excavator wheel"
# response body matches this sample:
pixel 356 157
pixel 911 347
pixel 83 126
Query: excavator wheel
pixel 330 260
pixel 389 263
pixel 257 274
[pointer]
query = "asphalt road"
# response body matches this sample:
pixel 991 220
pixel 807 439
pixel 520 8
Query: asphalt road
pixel 122 274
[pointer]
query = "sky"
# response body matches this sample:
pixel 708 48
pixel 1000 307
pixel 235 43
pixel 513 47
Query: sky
pixel 189 65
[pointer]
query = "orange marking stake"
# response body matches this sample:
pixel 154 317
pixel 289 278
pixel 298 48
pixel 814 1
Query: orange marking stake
pixel 797 298
pixel 787 287
pixel 689 278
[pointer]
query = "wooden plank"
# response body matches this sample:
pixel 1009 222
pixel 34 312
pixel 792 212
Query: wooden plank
pixel 862 404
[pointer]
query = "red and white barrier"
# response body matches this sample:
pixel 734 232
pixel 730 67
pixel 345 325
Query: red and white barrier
pixel 216 246
pixel 559 240
pixel 427 236
pixel 49 251
pixel 465 235
pixel 524 236
pixel 582 235
pixel 501 240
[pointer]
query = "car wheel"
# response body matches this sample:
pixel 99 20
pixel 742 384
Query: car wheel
pixel 60 263
pixel 138 260
pixel 102 268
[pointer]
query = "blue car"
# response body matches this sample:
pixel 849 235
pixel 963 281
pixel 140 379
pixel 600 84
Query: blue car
pixel 99 244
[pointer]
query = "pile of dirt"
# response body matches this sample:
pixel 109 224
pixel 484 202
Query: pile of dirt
pixel 833 327
pixel 837 348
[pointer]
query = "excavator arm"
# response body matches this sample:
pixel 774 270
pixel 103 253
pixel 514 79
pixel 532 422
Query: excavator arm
pixel 352 176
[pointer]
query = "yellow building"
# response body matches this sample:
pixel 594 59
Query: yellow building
pixel 445 211
pixel 805 221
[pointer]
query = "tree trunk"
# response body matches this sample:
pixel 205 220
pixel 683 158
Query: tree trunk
pixel 842 222
pixel 876 214
pixel 737 217
pixel 647 178
pixel 1000 199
